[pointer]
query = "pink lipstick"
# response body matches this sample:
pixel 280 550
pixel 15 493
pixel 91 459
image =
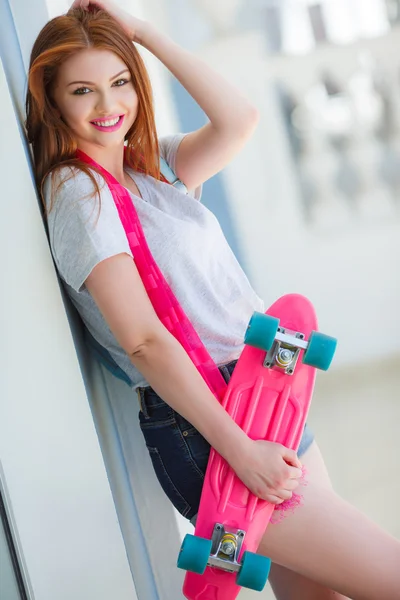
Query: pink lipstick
pixel 110 128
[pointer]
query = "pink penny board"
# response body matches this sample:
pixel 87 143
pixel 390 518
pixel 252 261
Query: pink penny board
pixel 268 404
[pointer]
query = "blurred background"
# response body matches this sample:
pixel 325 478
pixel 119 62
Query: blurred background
pixel 311 205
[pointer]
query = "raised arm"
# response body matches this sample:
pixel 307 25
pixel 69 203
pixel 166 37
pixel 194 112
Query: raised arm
pixel 232 117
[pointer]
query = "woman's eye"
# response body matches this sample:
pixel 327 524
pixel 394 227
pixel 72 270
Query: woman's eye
pixel 81 91
pixel 84 90
pixel 120 82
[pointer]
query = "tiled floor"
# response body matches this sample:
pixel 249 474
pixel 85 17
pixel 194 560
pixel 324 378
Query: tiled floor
pixel 356 418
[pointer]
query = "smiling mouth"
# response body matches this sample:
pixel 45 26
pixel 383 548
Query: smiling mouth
pixel 108 124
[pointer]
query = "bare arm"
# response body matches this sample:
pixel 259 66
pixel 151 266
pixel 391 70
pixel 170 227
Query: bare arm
pixel 116 287
pixel 233 118
pixel 118 291
pixel 171 373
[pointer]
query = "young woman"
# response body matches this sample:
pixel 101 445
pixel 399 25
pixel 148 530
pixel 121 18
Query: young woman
pixel 88 94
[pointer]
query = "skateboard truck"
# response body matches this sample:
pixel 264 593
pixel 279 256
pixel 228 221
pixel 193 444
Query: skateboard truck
pixel 226 546
pixel 285 350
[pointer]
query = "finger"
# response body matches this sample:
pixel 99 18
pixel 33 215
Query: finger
pixel 291 457
pixel 278 497
pixel 79 4
pixel 273 499
pixel 295 473
pixel 284 494
pixel 291 484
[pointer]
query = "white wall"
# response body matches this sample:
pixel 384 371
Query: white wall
pixel 73 540
pixel 52 466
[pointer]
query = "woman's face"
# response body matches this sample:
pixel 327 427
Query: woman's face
pixel 95 95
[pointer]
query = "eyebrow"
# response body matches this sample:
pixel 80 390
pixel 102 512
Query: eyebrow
pixel 92 83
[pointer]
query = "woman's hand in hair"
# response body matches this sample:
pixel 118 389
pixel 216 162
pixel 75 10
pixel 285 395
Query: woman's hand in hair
pixel 134 27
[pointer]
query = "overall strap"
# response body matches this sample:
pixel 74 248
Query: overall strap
pixel 166 305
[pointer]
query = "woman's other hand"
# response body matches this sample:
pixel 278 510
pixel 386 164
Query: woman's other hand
pixel 132 26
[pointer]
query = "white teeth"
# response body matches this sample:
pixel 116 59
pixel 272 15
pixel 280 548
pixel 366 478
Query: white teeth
pixel 107 123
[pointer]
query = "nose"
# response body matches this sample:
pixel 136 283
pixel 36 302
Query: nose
pixel 105 103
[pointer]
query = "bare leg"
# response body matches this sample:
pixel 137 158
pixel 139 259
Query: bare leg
pixel 287 584
pixel 331 546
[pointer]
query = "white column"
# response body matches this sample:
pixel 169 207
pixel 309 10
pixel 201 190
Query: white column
pixel 54 472
pixel 52 469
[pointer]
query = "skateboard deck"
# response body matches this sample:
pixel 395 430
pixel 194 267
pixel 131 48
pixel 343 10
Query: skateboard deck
pixel 268 395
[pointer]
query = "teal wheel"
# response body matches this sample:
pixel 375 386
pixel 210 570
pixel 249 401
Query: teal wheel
pixel 254 572
pixel 194 554
pixel 261 331
pixel 320 351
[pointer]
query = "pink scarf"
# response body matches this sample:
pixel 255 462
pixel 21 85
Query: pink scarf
pixel 167 307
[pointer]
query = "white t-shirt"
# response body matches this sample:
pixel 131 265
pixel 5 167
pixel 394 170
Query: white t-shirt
pixel 186 242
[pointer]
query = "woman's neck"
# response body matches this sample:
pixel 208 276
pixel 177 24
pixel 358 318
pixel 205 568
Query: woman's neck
pixel 111 159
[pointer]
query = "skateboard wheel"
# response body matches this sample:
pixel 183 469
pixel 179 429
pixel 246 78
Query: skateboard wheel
pixel 320 351
pixel 194 554
pixel 254 572
pixel 261 331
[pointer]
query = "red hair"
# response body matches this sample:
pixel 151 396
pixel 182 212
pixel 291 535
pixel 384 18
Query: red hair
pixel 52 142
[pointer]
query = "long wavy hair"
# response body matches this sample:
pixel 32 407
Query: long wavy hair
pixel 52 141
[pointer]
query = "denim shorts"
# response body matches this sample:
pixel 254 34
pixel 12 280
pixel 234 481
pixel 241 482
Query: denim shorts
pixel 179 453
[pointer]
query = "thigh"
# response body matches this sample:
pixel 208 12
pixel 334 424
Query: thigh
pixel 328 541
pixel 287 584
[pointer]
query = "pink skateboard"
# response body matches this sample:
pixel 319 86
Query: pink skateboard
pixel 268 395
